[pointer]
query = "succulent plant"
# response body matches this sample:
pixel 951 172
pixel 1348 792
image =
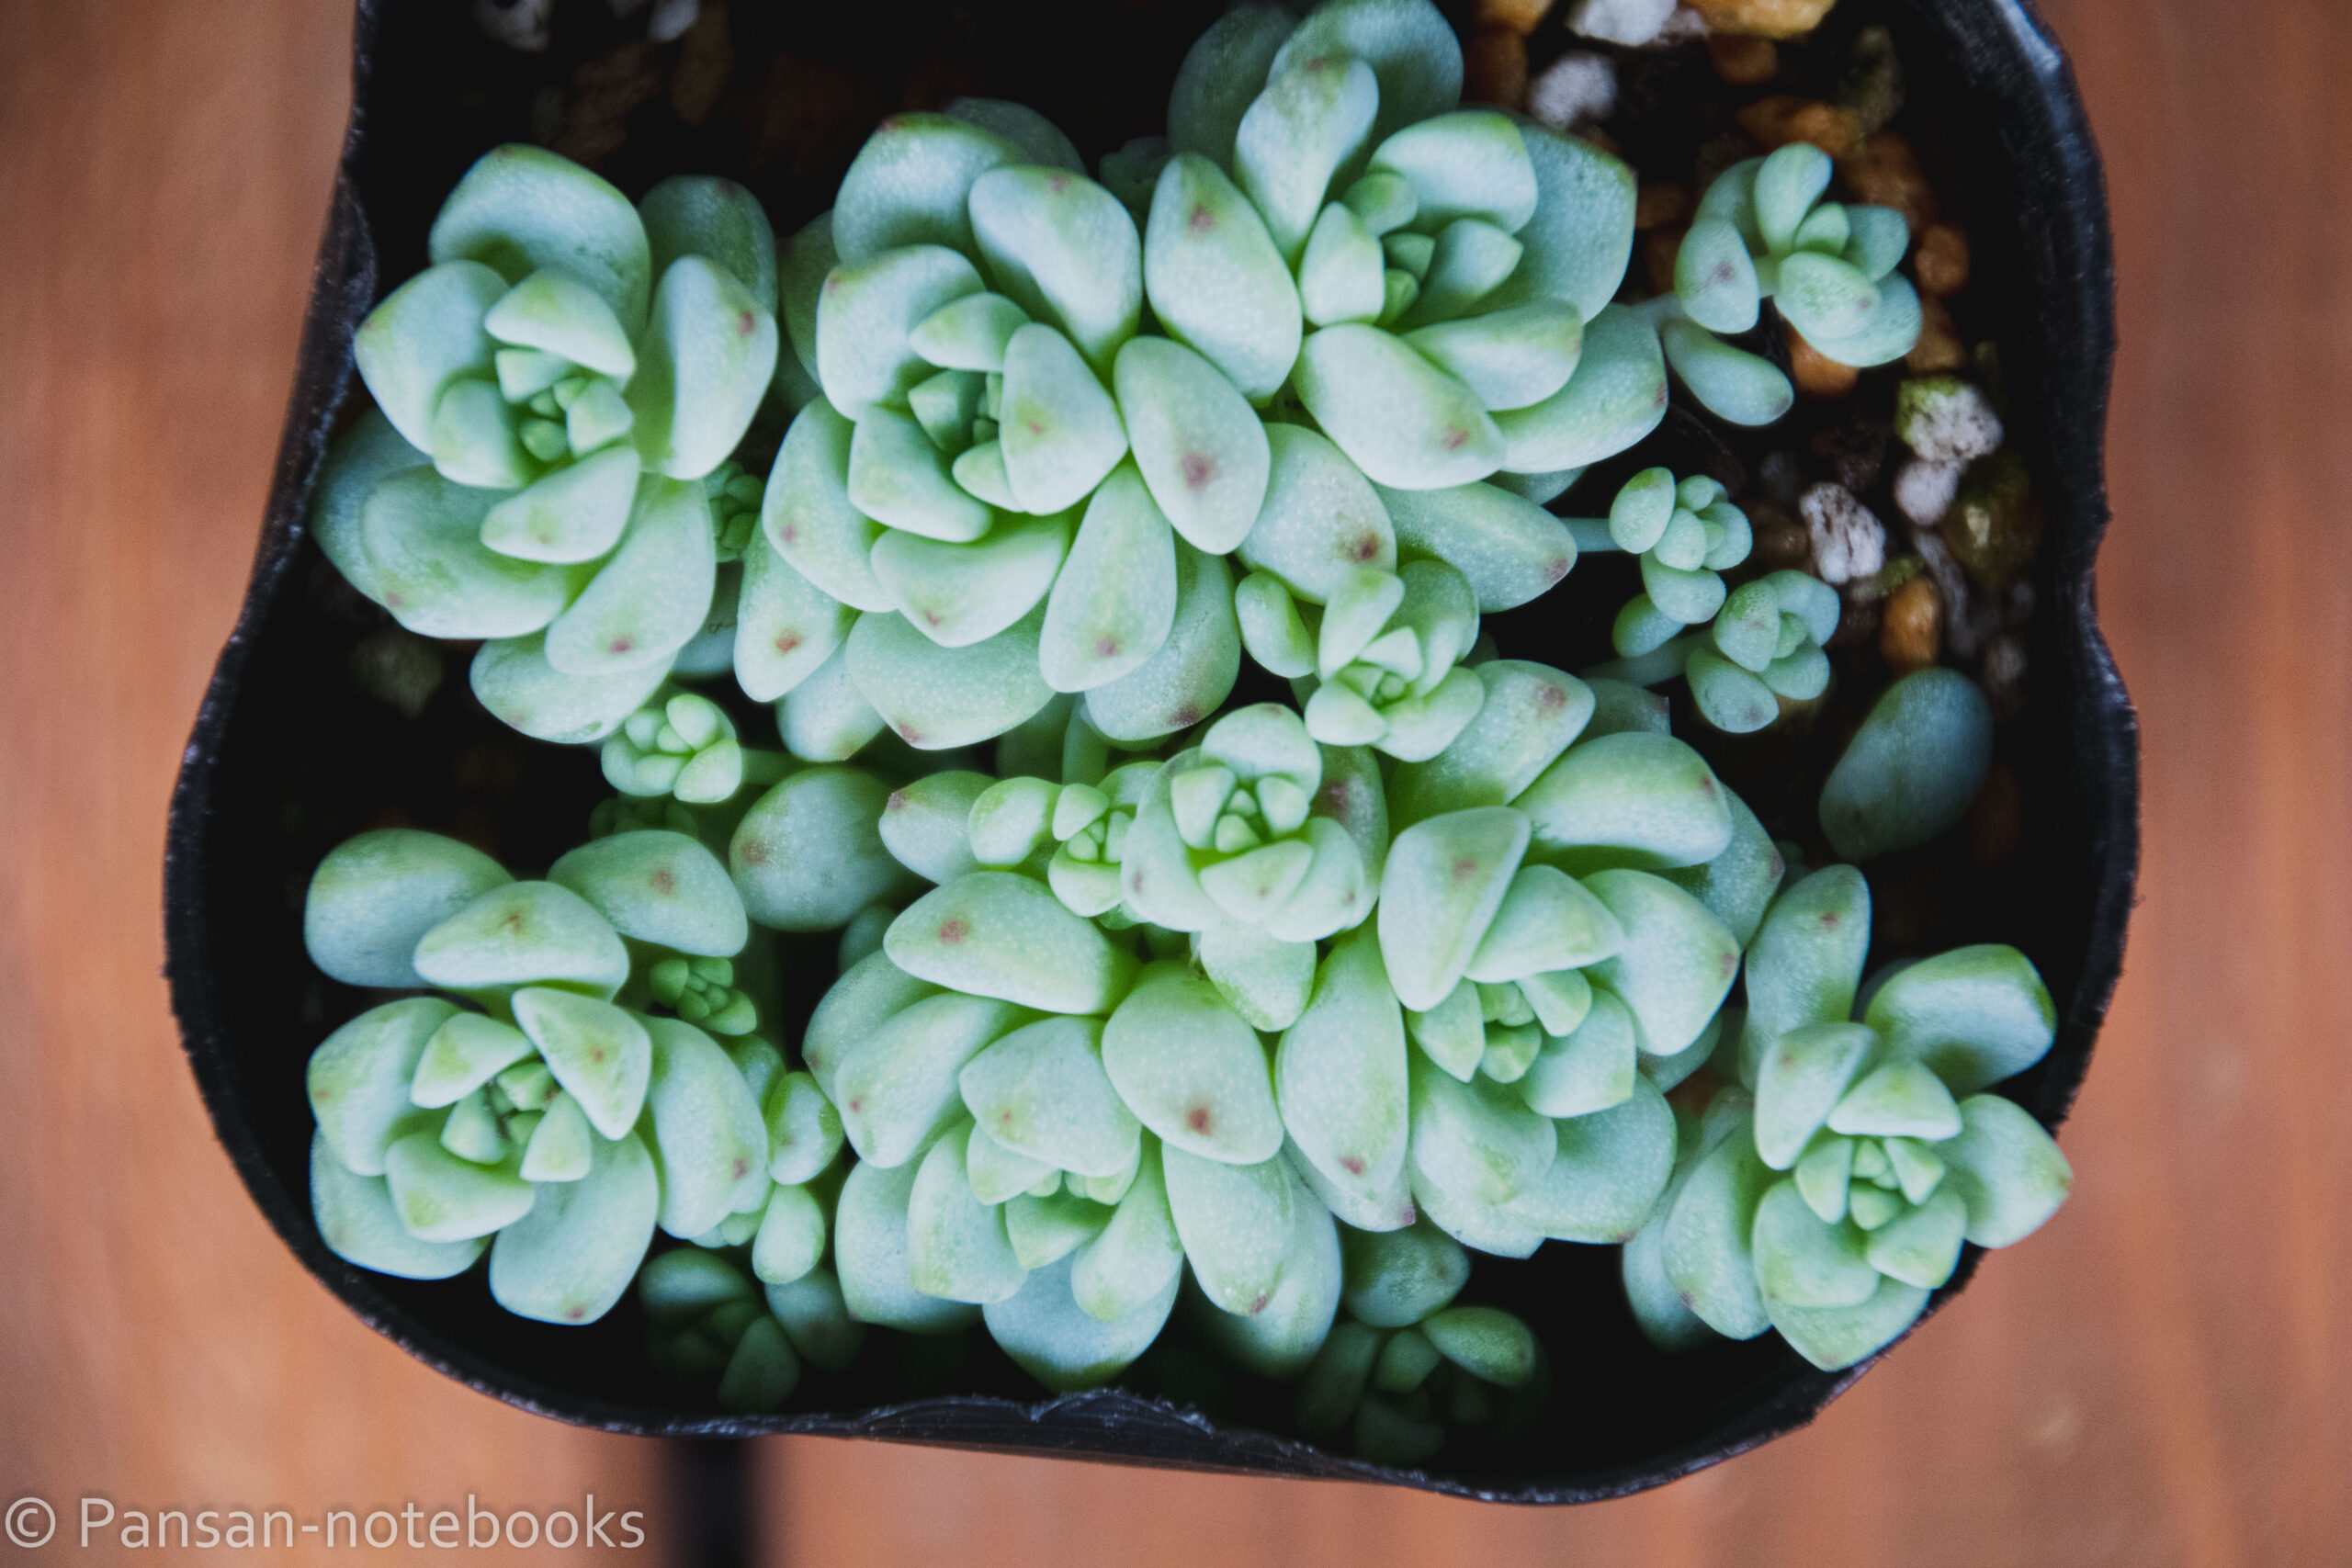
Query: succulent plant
pixel 1831 1190
pixel 1763 231
pixel 551 396
pixel 1759 643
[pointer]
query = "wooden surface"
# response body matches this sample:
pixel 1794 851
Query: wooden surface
pixel 2160 1377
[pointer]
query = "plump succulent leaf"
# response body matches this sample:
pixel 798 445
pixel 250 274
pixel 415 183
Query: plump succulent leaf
pixel 865 312
pixel 571 1258
pixel 808 518
pixel 1221 76
pixel 809 854
pixel 427 335
pixel 1047 1330
pixel 1975 1015
pixel 1000 934
pixel 520 209
pixel 896 1086
pixel 358 1222
pixel 1340 1074
pixel 1617 395
pixel 1313 117
pixel 2005 1168
pixel 870 1254
pixel 1191 1070
pixel 1639 800
pixel 1194 669
pixel 1408 44
pixel 1200 449
pixel 1042 1091
pixel 1913 768
pixel 1215 280
pixel 936 697
pixel 1114 601
pixel 1806 961
pixel 376 893
pixel 1403 421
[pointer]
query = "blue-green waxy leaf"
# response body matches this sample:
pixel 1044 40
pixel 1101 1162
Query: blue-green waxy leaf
pixel 658 888
pixel 1921 1247
pixel 1468 164
pixel 1313 117
pixel 1738 883
pixel 1547 920
pixel 865 312
pixel 1201 450
pixel 1468 261
pixel 654 593
pixel 809 854
pixel 1716 278
pixel 804 1130
pixel 936 697
pixel 1131 171
pixel 1897 1099
pixel 376 893
pixel 1727 697
pixel 521 208
pixel 1444 879
pixel 1049 1332
pixel 1511 358
pixel 808 516
pixel 1577 243
pixel 1617 395
pixel 563 1146
pixel 957 1247
pixel 910 182
pixel 1975 1015
pixel 1806 960
pixel 1677 963
pixel 1234 1221
pixel 1609 1170
pixel 786 626
pixel 868 995
pixel 575 513
pixel 1823 297
pixel 358 1222
pixel 1279 1337
pixel 898 478
pixel 1194 669
pixel 1066 251
pixel 1340 271
pixel 1913 768
pixel 1708 1251
pixel 791 1237
pixel 1509 550
pixel 360 456
pixel 1220 77
pixel 421 537
pixel 997 933
pixel 1272 628
pixel 1264 978
pixel 1643 510
pixel 359 1078
pixel 1399 418
pixel 1688 597
pixel 1045 1229
pixel 1836 1337
pixel 557 315
pixel 1530 714
pixel 871 1255
pixel 1383 202
pixel 1138 1256
pixel 1877 239
pixel 1890 333
pixel 1036 136
pixel 601 1055
pixel 426 334
pixel 1042 1091
pixel 1485 1342
pixel 572 1257
pixel 817 1320
pixel 1321 521
pixel 1802 1261
pixel 464 1054
pixel 1632 799
pixel 1477 1140
pixel 1591 1069
pixel 1340 1077
pixel 1395 1279
pixel 699 215
pixel 1409 44
pixel 1191 1070
pixel 1800 1077
pixel 2005 1168
pixel 1013 821
pixel 1786 185
pixel 439 1197
pixel 896 1087
pixel 802 269
pixel 1735 385
pixel 523 933
pixel 960 594
pixel 1060 430
pixel 1217 281
pixel 999 1175
pixel 1114 601
pixel 970 334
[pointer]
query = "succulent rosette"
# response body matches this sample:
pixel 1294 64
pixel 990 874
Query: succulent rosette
pixel 553 397
pixel 1829 1191
pixel 1052 406
pixel 553 1104
pixel 1743 650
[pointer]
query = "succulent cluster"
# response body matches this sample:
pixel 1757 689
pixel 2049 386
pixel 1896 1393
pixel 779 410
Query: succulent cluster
pixel 1273 1013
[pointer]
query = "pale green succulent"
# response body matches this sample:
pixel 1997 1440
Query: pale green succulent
pixel 1830 1193
pixel 1763 231
pixel 551 396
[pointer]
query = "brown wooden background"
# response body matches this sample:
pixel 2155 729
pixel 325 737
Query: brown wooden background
pixel 2160 1377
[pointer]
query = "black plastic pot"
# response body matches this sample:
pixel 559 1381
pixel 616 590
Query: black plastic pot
pixel 289 757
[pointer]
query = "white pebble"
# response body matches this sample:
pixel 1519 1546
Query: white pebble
pixel 1618 21
pixel 670 18
pixel 1953 422
pixel 518 24
pixel 1923 490
pixel 1579 86
pixel 1849 541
